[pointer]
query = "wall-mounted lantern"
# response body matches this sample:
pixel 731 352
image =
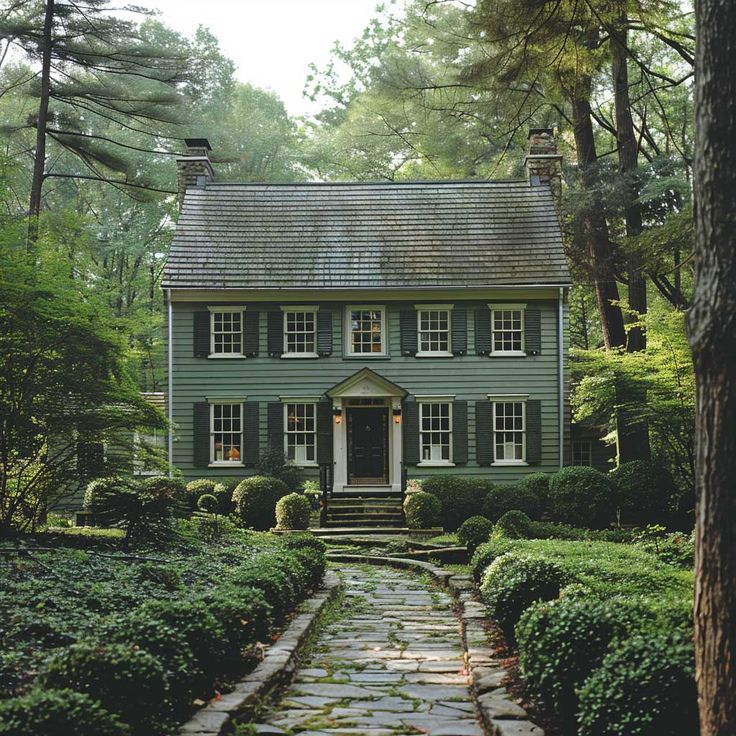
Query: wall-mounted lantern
pixel 337 413
pixel 397 416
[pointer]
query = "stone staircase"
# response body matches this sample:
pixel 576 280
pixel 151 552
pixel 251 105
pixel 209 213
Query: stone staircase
pixel 365 511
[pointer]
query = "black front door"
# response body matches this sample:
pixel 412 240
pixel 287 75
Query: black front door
pixel 368 445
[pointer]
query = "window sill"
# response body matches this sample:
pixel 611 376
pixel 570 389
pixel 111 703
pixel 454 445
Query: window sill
pixel 226 356
pixel 303 465
pixel 435 464
pixel 507 354
pixel 427 354
pixel 226 464
pixel 367 356
pixel 509 463
pixel 291 356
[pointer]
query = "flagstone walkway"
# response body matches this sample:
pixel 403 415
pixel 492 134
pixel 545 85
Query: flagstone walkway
pixel 390 663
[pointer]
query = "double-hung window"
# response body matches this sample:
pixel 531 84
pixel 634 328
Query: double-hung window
pixel 226 332
pixel 300 431
pixel 366 331
pixel 582 452
pixel 435 431
pixel 300 331
pixel 509 425
pixel 226 433
pixel 507 329
pixel 433 324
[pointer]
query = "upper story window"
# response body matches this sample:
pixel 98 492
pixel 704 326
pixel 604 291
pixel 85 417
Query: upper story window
pixel 300 430
pixel 509 424
pixel 507 327
pixel 366 331
pixel 226 433
pixel 226 331
pixel 300 331
pixel 433 322
pixel 435 432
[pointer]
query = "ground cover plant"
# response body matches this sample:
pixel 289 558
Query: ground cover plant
pixel 140 636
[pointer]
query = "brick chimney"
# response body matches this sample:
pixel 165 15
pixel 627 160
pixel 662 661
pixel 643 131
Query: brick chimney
pixel 194 168
pixel 543 163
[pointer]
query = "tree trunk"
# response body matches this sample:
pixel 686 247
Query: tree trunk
pixel 39 161
pixel 712 328
pixel 633 435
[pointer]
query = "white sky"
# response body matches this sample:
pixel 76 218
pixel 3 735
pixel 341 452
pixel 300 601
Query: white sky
pixel 272 41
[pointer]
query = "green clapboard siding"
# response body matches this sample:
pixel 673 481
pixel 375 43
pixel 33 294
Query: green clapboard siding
pixel 470 378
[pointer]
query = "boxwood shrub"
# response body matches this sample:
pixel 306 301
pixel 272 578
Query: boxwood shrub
pixel 197 488
pixel 244 615
pixel 539 484
pixel 59 712
pixel 512 583
pixel 127 681
pixel 582 496
pixel 644 490
pixel 512 497
pixel 645 686
pixel 514 525
pixel 293 511
pixel 486 553
pixel 298 541
pixel 461 496
pixel 474 531
pixel 422 510
pixel 255 500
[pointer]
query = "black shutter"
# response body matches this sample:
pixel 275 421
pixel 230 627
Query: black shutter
pixel 411 431
pixel 201 336
pixel 484 432
pixel 251 433
pixel 408 325
pixel 275 334
pixel 324 332
pixel 250 333
pixel 460 432
pixel 459 331
pixel 324 432
pixel 534 431
pixel 276 426
pixel 482 331
pixel 532 330
pixel 201 435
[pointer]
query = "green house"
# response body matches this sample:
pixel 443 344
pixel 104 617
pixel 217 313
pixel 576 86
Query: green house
pixel 372 332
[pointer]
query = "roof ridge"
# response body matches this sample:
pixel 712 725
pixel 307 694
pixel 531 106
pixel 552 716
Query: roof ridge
pixel 408 182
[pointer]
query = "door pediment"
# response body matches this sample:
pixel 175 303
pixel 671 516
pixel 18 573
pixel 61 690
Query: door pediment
pixel 366 383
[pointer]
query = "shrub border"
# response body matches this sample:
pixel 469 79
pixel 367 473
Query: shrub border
pixel 501 715
pixel 277 668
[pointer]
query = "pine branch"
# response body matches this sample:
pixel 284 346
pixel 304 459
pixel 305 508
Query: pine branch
pixel 111 181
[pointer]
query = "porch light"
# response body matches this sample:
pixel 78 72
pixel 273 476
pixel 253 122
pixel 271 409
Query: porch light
pixel 337 413
pixel 397 416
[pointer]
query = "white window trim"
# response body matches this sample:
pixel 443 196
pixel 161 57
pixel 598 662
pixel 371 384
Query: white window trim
pixel 298 308
pixel 289 400
pixel 226 310
pixel 225 463
pixel 436 400
pixel 434 308
pixel 507 307
pixel 349 333
pixel 500 399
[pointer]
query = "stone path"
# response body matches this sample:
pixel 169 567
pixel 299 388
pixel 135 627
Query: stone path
pixel 391 663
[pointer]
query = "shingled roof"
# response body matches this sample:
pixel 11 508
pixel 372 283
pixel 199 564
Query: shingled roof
pixel 384 235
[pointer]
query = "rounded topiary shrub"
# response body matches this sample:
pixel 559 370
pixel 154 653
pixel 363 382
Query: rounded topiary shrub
pixel 461 497
pixel 293 511
pixel 512 497
pixel 486 553
pixel 58 713
pixel 582 496
pixel 125 680
pixel 255 500
pixel 514 525
pixel 562 642
pixel 208 503
pixel 422 510
pixel 195 489
pixel 512 583
pixel 644 490
pixel 474 531
pixel 645 686
pixel 297 541
pixel 538 483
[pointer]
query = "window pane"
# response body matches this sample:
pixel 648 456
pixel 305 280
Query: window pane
pixel 435 434
pixel 366 331
pixel 300 429
pixel 509 430
pixel 299 330
pixel 507 330
pixel 227 432
pixel 434 331
pixel 227 332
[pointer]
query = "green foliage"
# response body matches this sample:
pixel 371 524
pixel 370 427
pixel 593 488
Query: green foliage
pixel 582 496
pixel 514 525
pixel 645 686
pixel 675 549
pixel 197 488
pixel 58 713
pixel 297 541
pixel 255 500
pixel 293 511
pixel 207 503
pixel 486 553
pixel 274 464
pixel 126 681
pixel 244 615
pixel 422 510
pixel 474 531
pixel 461 496
pixel 644 490
pixel 512 583
pixel 538 484
pixel 512 497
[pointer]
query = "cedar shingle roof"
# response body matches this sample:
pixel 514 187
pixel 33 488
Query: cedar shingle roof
pixel 419 234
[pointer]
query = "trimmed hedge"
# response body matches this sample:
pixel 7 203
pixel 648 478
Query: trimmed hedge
pixel 255 500
pixel 644 490
pixel 422 510
pixel 512 497
pixel 538 483
pixel 461 497
pixel 474 531
pixel 207 486
pixel 293 511
pixel 582 496
pixel 514 525
pixel 486 553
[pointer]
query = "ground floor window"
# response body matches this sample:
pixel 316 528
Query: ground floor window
pixel 226 433
pixel 509 431
pixel 301 429
pixel 435 432
pixel 582 452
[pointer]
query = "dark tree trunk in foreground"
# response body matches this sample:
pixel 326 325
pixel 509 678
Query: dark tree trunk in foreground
pixel 712 325
pixel 39 162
